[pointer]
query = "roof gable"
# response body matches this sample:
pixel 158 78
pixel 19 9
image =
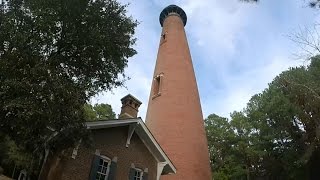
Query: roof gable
pixel 137 126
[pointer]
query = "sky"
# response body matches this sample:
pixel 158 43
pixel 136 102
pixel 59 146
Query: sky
pixel 237 49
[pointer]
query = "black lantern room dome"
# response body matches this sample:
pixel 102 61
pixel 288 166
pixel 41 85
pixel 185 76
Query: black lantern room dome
pixel 173 9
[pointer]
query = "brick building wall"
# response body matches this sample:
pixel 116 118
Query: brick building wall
pixel 111 142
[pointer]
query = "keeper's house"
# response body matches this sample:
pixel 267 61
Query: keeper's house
pixel 123 149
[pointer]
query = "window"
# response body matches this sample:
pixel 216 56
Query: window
pixel 138 174
pixel 103 168
pixel 157 85
pixel 163 37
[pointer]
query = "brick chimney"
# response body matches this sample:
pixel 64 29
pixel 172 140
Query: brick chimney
pixel 130 107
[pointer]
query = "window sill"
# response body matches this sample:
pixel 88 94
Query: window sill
pixel 156 95
pixel 163 41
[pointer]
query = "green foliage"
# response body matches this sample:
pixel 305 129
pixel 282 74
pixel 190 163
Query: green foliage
pixel 276 136
pixel 98 112
pixel 230 146
pixel 311 3
pixel 16 155
pixel 54 56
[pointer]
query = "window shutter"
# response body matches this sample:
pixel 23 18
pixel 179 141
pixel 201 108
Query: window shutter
pixel 112 172
pixel 131 173
pixel 94 167
pixel 145 176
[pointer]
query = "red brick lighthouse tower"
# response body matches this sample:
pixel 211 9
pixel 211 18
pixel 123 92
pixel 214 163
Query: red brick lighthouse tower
pixel 174 113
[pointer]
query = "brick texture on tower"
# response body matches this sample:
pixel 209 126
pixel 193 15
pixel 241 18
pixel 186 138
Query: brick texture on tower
pixel 174 114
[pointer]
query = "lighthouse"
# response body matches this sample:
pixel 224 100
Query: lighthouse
pixel 174 114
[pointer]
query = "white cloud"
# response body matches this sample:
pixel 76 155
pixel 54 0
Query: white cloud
pixel 138 86
pixel 216 24
pixel 208 21
pixel 239 88
pixel 237 48
pixel 140 67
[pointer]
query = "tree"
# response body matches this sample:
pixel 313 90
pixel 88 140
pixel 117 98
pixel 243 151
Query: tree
pixel 54 56
pixel 276 135
pixel 311 3
pixel 99 112
pixel 273 115
pixel 218 134
pixel 308 42
pixel 231 147
pixel 302 87
pixel 315 3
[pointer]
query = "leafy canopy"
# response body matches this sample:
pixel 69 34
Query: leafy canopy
pixel 276 136
pixel 311 3
pixel 54 56
pixel 99 112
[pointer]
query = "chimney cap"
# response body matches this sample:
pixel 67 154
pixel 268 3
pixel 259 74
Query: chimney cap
pixel 173 9
pixel 129 96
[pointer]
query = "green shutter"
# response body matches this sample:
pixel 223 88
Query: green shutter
pixel 112 172
pixel 145 176
pixel 131 173
pixel 94 167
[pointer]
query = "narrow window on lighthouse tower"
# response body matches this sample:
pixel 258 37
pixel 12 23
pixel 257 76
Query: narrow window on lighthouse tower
pixel 157 86
pixel 163 37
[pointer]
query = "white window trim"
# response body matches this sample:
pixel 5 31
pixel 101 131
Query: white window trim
pixel 158 81
pixel 141 173
pixel 105 158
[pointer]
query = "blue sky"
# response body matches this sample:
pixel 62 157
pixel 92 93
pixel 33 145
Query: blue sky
pixel 237 48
